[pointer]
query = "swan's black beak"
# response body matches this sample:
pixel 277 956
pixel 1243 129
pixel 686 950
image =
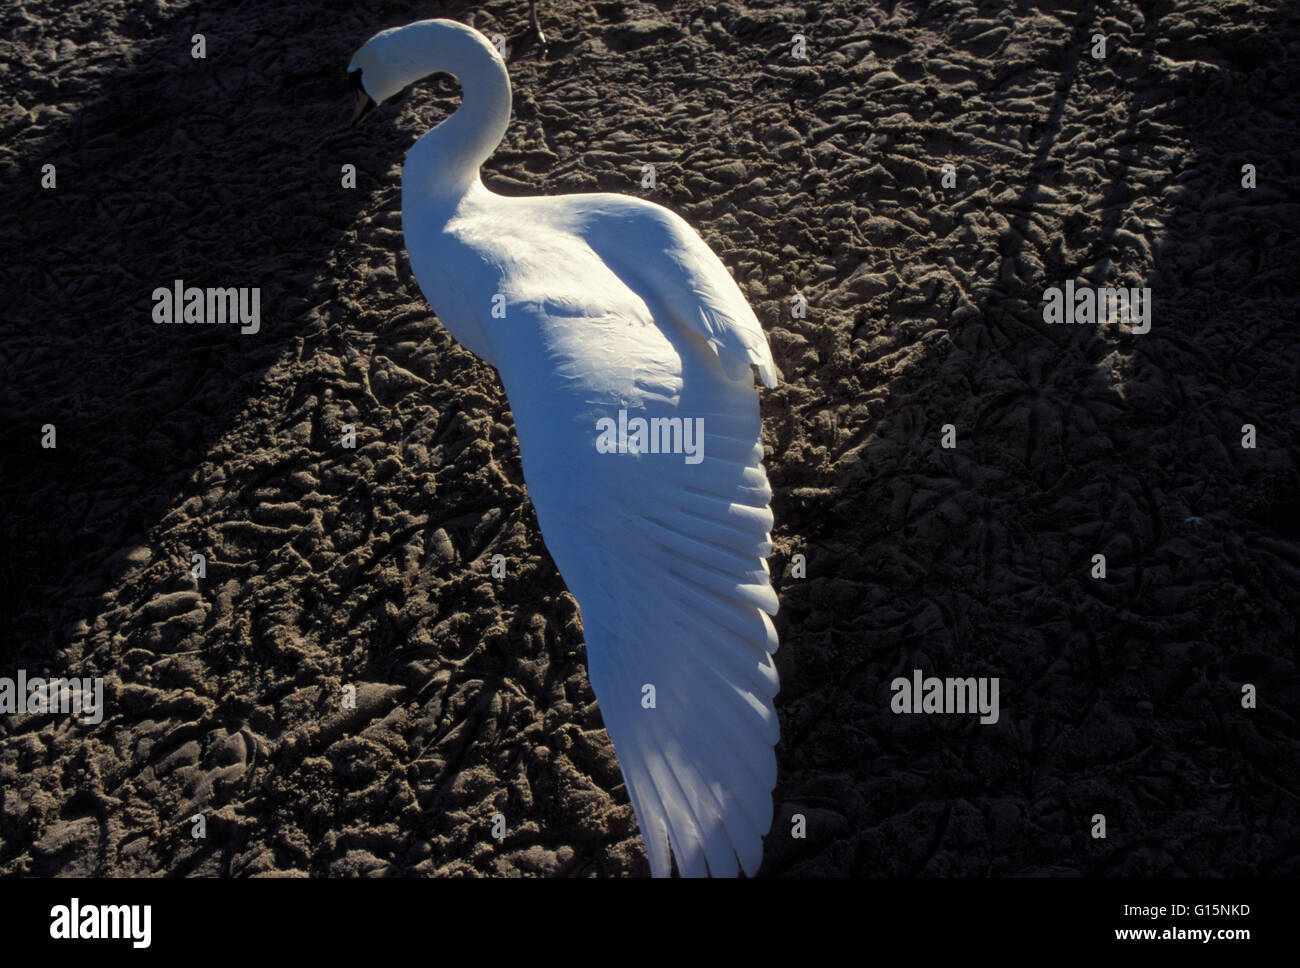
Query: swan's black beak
pixel 364 104
pixel 363 107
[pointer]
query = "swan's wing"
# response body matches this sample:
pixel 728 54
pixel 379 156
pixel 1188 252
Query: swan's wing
pixel 670 260
pixel 665 557
pixel 666 560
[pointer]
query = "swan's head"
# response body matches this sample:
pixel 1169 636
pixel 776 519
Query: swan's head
pixel 395 58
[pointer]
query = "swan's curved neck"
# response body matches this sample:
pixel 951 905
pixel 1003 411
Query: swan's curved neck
pixel 444 164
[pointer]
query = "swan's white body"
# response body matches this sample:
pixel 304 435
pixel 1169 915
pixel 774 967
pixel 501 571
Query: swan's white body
pixel 612 303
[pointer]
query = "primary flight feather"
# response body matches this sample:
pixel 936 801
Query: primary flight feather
pixel 628 355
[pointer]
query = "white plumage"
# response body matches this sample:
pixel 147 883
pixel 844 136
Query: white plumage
pixel 615 304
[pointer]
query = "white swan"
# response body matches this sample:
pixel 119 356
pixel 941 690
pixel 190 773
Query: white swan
pixel 599 310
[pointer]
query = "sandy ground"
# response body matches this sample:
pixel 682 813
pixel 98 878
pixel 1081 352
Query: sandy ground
pixel 329 567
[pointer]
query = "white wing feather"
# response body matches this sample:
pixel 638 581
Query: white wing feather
pixel 671 260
